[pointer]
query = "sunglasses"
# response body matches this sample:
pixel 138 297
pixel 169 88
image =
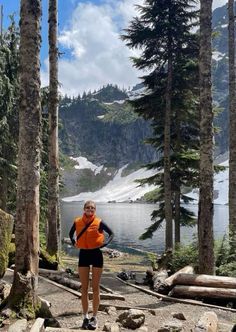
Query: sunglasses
pixel 90 208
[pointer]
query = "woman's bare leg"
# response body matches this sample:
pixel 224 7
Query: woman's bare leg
pixel 84 278
pixel 96 277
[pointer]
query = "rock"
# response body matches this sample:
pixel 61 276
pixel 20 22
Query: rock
pixel 132 318
pixel 207 323
pixel 111 327
pixel 152 312
pixel 6 313
pixel 19 326
pixel 171 327
pixel 51 322
pixel 142 329
pixel 110 310
pixel 4 290
pixel 178 315
pixel 38 325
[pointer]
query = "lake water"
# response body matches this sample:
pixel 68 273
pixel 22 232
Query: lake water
pixel 128 222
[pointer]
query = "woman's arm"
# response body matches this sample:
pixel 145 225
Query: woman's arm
pixel 71 234
pixel 104 227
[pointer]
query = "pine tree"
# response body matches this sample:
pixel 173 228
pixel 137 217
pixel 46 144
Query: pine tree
pixel 23 296
pixel 53 229
pixel 9 87
pixel 205 211
pixel 169 52
pixel 232 127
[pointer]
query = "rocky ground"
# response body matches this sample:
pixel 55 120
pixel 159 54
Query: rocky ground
pixel 66 307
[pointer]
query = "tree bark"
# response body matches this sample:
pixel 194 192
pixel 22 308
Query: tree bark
pixel 23 297
pixel 167 177
pixel 53 229
pixel 203 292
pixel 232 129
pixel 205 212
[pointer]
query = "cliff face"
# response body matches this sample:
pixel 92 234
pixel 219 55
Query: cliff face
pixel 106 133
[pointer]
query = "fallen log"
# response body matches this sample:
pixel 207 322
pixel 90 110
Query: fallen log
pixel 204 280
pixel 166 298
pixel 65 281
pixel 171 280
pixel 165 286
pixel 202 292
pixel 207 323
pixel 75 292
pixel 48 272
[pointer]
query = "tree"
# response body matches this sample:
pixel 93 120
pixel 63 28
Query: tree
pixel 23 296
pixel 9 87
pixel 163 33
pixel 205 212
pixel 232 128
pixel 53 229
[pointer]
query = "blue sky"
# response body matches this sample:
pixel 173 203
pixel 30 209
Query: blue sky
pixel 89 34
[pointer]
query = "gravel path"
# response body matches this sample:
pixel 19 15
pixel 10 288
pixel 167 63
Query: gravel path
pixel 66 307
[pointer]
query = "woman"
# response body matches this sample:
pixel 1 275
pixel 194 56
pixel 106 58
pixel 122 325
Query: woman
pixel 89 230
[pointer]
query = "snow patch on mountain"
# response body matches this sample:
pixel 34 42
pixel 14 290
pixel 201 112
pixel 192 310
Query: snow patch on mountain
pixel 83 163
pixel 119 189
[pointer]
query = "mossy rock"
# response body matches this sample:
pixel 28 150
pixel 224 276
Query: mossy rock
pixel 6 221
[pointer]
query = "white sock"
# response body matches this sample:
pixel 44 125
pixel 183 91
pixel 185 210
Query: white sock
pixel 86 315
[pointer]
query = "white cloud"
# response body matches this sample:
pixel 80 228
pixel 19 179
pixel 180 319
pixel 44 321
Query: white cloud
pixel 98 56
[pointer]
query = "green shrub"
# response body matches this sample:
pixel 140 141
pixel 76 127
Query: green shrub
pixel 184 255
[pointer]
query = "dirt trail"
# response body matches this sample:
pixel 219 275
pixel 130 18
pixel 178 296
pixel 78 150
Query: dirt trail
pixel 66 307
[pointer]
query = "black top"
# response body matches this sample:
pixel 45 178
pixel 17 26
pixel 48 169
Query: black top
pixel 103 227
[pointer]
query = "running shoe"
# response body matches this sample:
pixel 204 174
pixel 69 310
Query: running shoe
pixel 85 324
pixel 93 324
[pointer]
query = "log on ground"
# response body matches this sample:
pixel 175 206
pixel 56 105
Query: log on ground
pixel 168 283
pixel 202 292
pixel 205 280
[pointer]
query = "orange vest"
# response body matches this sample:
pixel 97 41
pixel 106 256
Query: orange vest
pixel 91 238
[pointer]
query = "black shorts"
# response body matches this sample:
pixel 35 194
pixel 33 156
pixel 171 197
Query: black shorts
pixel 89 257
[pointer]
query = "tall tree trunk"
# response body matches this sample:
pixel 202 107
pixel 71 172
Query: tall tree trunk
pixel 23 296
pixel 177 193
pixel 205 212
pixel 177 213
pixel 232 129
pixel 167 177
pixel 53 230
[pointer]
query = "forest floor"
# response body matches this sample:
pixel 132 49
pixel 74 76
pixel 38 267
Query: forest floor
pixel 66 307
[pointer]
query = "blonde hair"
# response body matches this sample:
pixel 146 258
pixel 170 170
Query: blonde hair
pixel 89 202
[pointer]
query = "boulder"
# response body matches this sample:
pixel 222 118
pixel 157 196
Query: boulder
pixel 132 318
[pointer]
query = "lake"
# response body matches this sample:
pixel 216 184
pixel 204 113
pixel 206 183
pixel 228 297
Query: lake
pixel 128 221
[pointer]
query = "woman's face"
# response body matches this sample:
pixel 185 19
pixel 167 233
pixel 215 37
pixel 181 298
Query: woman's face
pixel 89 210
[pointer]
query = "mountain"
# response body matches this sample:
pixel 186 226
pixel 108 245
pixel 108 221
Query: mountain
pixel 122 187
pixel 102 127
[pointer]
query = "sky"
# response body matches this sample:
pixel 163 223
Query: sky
pixel 89 38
